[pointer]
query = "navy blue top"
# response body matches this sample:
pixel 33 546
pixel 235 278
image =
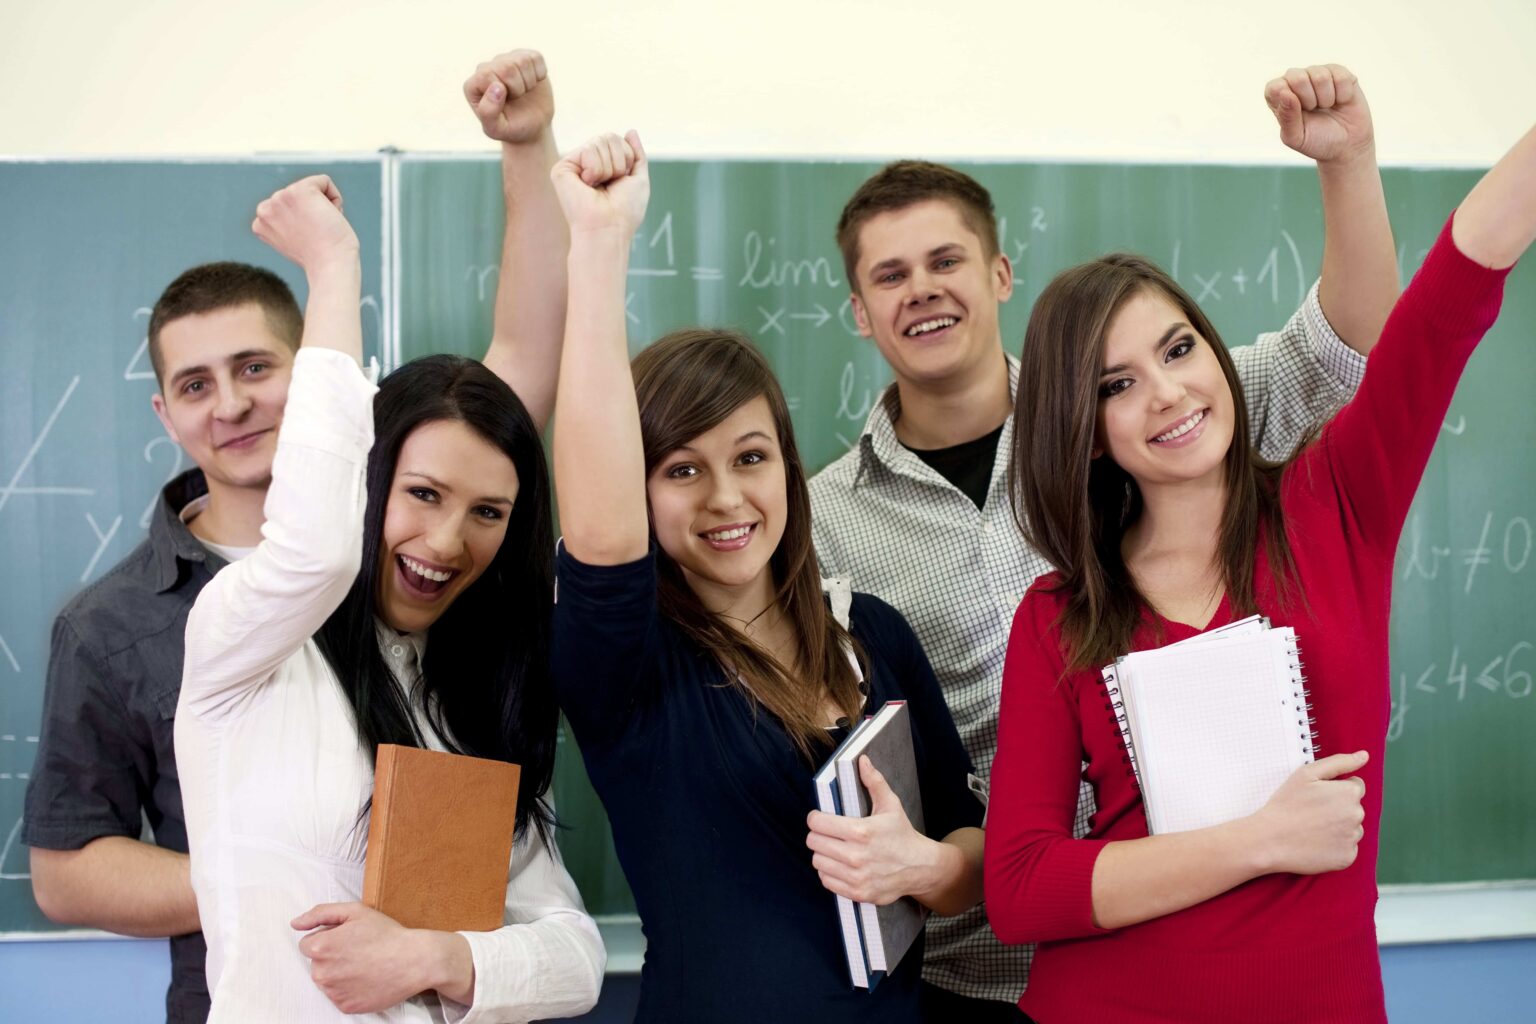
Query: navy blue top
pixel 708 797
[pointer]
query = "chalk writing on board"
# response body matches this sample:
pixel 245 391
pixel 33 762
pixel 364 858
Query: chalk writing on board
pixel 766 269
pixel 1206 283
pixel 661 237
pixel 1510 543
pixel 773 321
pixel 851 404
pixel 707 273
pixel 103 538
pixel 1504 675
pixel 12 487
pixel 10 656
pixel 149 456
pixel 147 370
pixel 5 855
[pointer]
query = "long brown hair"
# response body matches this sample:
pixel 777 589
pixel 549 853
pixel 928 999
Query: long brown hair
pixel 1076 509
pixel 688 383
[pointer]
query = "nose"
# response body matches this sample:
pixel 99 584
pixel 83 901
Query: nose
pixel 921 287
pixel 445 538
pixel 725 493
pixel 1167 389
pixel 233 403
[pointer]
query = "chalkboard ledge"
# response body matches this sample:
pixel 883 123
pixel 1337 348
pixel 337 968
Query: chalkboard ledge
pixel 1406 915
pixel 1463 912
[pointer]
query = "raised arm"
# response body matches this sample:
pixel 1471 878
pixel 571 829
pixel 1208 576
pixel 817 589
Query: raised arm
pixel 259 610
pixel 599 461
pixel 512 97
pixel 1323 115
pixel 1496 223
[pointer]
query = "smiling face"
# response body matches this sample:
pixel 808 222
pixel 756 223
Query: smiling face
pixel 224 386
pixel 446 517
pixel 1165 413
pixel 927 291
pixel 718 506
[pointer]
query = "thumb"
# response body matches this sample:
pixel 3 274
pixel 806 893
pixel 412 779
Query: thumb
pixel 1287 110
pixel 324 915
pixel 882 798
pixel 1339 764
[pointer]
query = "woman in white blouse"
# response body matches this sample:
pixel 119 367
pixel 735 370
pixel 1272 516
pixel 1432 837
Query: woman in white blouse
pixel 402 596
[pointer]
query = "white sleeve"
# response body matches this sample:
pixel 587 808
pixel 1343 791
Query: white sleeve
pixel 256 612
pixel 548 960
pixel 1295 379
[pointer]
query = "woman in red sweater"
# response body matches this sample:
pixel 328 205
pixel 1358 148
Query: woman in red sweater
pixel 1134 474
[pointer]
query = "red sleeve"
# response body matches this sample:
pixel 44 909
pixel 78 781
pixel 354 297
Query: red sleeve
pixel 1039 880
pixel 1373 454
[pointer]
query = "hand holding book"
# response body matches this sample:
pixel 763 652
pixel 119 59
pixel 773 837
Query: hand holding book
pixel 878 858
pixel 1314 822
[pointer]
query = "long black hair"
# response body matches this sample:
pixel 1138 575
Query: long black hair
pixel 485 677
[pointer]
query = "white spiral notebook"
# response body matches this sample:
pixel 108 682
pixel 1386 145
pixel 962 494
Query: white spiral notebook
pixel 1213 724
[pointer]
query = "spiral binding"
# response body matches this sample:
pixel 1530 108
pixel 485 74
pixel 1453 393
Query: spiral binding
pixel 1302 697
pixel 1109 684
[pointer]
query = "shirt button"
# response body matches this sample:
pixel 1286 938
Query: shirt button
pixel 397 651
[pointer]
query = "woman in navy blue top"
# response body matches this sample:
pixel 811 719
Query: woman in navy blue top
pixel 703 673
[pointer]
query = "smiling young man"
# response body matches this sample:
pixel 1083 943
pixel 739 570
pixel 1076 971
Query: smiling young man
pixel 918 512
pixel 222 340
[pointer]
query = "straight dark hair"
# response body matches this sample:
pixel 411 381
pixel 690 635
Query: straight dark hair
pixel 686 384
pixel 1075 509
pixel 485 678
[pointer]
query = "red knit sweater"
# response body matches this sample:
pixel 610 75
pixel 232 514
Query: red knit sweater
pixel 1283 947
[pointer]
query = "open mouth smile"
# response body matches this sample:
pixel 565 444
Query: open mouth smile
pixel 733 537
pixel 930 327
pixel 421 579
pixel 1186 431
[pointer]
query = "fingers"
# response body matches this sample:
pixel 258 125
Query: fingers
pixel 324 915
pixel 491 98
pixel 1300 83
pixel 520 70
pixel 837 827
pixel 633 138
pixel 1286 106
pixel 603 159
pixel 1338 764
pixel 881 797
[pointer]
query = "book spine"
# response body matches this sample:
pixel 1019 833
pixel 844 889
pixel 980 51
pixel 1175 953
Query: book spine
pixel 378 825
pixel 1114 707
pixel 1301 698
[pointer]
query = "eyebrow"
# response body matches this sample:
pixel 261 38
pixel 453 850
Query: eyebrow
pixel 748 436
pixel 897 261
pixel 1161 344
pixel 429 478
pixel 238 357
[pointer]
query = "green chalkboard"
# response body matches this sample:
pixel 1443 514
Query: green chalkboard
pixel 749 244
pixel 85 249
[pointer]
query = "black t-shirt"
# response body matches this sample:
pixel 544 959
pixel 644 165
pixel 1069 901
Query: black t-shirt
pixel 967 465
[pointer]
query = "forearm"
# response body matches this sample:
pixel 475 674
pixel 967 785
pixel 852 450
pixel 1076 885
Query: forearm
pixel 529 318
pixel 119 885
pixel 1496 223
pixel 1360 280
pixel 332 316
pixel 599 460
pixel 952 883
pixel 1140 879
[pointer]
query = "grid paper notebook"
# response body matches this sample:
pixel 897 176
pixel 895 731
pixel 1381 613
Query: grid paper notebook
pixel 1214 724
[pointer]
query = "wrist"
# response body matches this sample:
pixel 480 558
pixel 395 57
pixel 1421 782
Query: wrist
pixel 339 265
pixel 447 964
pixel 536 153
pixel 934 870
pixel 1353 160
pixel 1251 845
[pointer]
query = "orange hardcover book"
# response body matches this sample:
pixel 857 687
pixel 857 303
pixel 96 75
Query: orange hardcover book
pixel 440 838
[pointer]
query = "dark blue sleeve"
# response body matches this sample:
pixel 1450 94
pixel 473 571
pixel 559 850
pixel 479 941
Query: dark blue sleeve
pixel 942 764
pixel 603 659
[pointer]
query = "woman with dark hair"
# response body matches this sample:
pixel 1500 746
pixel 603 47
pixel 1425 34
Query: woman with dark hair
pixel 1133 472
pixel 703 672
pixel 401 594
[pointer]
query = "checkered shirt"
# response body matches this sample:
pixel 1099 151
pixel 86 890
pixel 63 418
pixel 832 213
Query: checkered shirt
pixel 904 533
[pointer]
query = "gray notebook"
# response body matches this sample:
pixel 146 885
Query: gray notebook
pixel 889 931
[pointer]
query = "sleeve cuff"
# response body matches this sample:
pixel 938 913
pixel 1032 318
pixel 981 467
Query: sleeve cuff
pixel 1342 363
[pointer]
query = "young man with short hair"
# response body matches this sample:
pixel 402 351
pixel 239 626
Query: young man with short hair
pixel 917 512
pixel 222 339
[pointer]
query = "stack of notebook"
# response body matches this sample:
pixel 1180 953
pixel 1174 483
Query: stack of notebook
pixel 874 938
pixel 1213 724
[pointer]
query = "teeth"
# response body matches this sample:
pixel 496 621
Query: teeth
pixel 931 325
pixel 1182 428
pixel 733 534
pixel 421 570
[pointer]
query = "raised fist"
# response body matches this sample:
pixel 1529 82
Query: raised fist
pixel 1322 112
pixel 304 222
pixel 604 184
pixel 512 97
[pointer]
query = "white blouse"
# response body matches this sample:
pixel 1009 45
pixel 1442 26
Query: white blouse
pixel 273 779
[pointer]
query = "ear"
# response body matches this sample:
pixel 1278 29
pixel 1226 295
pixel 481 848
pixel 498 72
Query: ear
pixel 1002 277
pixel 157 402
pixel 860 315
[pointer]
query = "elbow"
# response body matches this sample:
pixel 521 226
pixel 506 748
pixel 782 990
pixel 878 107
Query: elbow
pixel 52 891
